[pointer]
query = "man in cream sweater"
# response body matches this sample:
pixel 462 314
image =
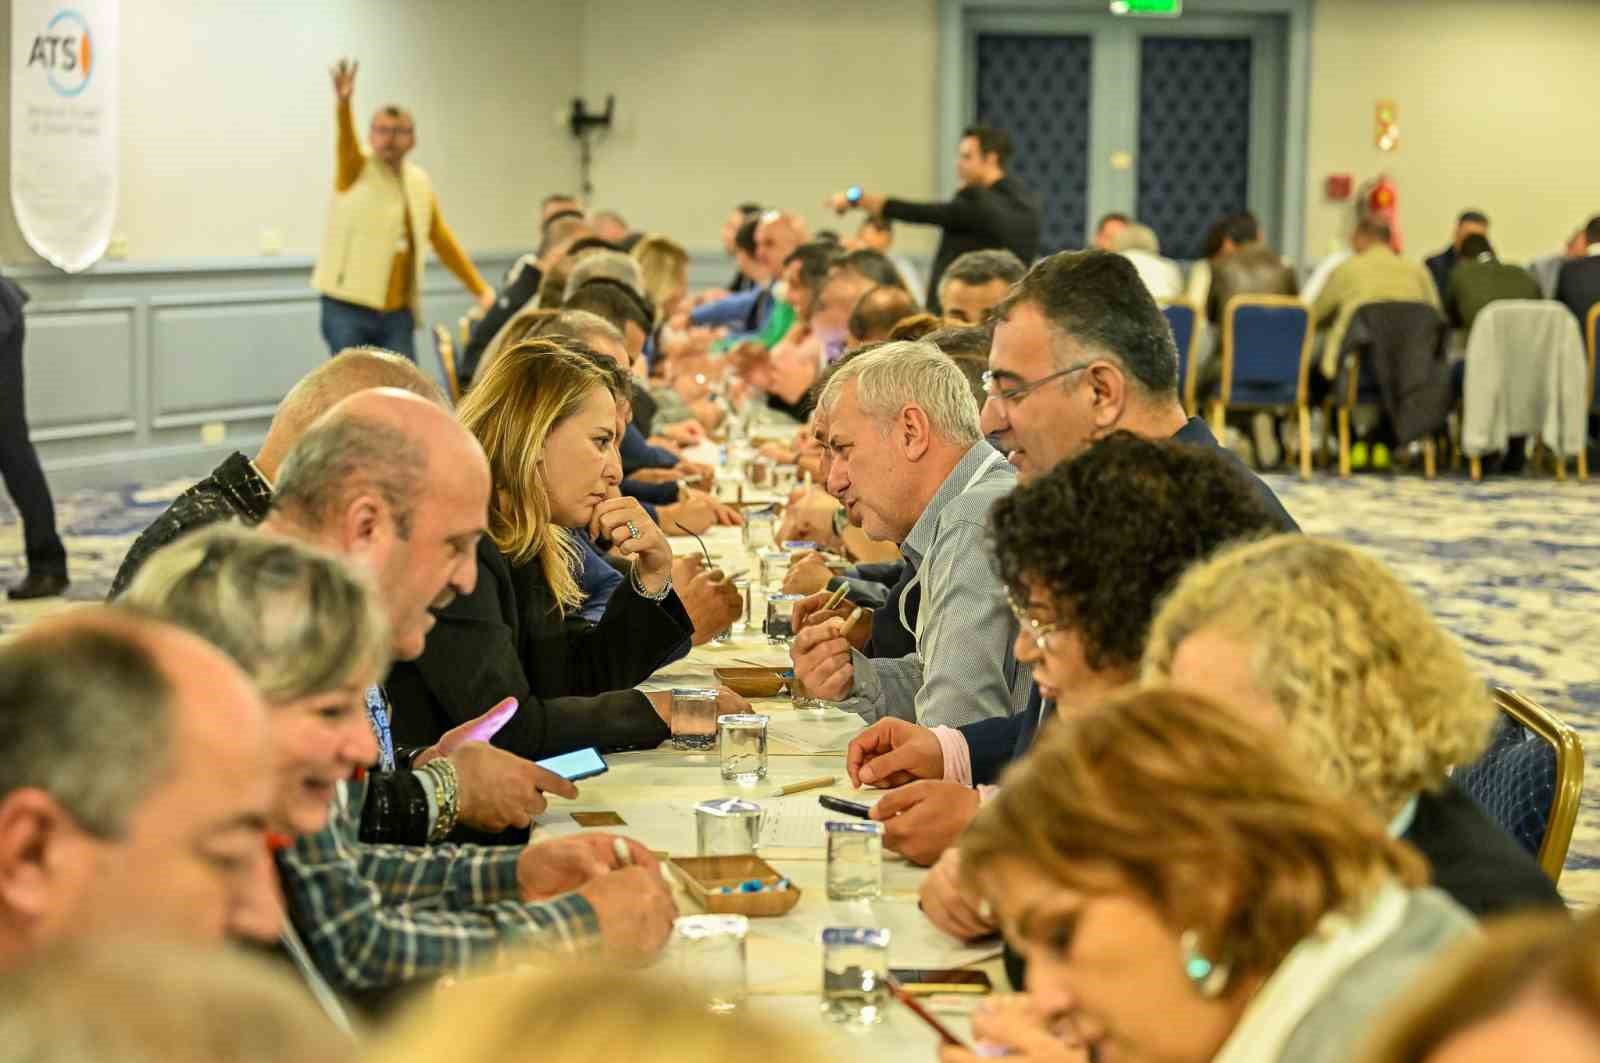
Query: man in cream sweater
pixel 370 271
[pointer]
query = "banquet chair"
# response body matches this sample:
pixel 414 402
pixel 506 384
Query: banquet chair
pixel 1530 778
pixel 1182 320
pixel 445 349
pixel 1266 356
pixel 1591 338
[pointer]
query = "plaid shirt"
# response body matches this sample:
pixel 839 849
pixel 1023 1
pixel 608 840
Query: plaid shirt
pixel 380 916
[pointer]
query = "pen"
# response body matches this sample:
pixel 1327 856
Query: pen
pixel 850 623
pixel 809 784
pixel 624 855
pixel 835 598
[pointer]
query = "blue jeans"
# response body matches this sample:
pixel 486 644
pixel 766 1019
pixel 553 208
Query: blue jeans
pixel 348 325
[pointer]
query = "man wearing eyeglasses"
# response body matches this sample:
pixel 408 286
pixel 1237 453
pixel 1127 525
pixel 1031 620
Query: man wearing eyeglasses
pixel 1080 351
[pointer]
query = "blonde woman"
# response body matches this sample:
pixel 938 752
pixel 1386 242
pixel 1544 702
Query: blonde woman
pixel 547 419
pixel 664 270
pixel 1323 645
pixel 587 1016
pixel 1183 892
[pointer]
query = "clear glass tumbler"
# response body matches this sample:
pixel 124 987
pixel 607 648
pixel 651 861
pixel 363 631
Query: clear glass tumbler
pixel 780 617
pixel 728 826
pixel 855 860
pixel 855 960
pixel 743 738
pixel 710 955
pixel 694 718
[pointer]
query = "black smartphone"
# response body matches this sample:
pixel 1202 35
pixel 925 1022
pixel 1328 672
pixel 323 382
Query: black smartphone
pixel 923 981
pixel 580 764
pixel 849 808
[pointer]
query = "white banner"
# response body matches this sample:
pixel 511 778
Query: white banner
pixel 64 90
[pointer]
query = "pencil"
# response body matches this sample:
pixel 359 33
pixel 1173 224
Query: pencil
pixel 850 623
pixel 624 855
pixel 835 598
pixel 809 784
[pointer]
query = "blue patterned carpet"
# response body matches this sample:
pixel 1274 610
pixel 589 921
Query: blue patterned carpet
pixel 1511 566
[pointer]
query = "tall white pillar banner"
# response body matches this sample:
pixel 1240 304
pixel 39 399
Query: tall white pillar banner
pixel 64 118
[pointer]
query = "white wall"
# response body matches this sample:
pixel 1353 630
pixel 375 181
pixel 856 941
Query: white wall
pixel 767 100
pixel 227 116
pixel 1496 109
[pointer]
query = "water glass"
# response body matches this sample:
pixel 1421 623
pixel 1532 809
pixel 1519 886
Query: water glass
pixel 784 478
pixel 728 826
pixel 694 718
pixel 780 617
pixel 855 960
pixel 803 700
pixel 743 737
pixel 758 471
pixel 855 860
pixel 772 566
pixel 760 528
pixel 710 955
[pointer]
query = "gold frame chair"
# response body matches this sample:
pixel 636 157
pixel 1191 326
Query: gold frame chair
pixel 1221 404
pixel 1569 774
pixel 445 349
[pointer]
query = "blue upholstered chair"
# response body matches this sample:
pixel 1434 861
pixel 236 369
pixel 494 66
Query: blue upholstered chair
pixel 1266 359
pixel 1530 778
pixel 1181 320
pixel 445 348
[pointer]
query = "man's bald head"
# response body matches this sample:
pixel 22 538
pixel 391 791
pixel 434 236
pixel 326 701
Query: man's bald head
pixel 136 782
pixel 878 311
pixel 351 370
pixel 777 235
pixel 394 483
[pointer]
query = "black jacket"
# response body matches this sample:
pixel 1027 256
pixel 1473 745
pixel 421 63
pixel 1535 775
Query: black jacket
pixel 506 639
pixel 1003 215
pixel 1404 350
pixel 1474 860
pixel 521 285
pixel 12 298
pixel 1578 285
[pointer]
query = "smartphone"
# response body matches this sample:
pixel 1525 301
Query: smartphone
pixel 849 808
pixel 581 764
pixel 925 981
pixel 904 996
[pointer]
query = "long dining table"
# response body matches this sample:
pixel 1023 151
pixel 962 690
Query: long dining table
pixel 653 793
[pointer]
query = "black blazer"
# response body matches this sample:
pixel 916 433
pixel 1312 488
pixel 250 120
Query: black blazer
pixel 506 639
pixel 1003 215
pixel 1474 860
pixel 1578 285
pixel 12 298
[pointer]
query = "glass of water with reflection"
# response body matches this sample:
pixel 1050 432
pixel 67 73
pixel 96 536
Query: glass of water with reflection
pixel 855 860
pixel 855 960
pixel 710 955
pixel 743 737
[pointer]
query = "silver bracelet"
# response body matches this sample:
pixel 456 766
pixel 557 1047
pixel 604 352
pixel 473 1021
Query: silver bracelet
pixel 638 587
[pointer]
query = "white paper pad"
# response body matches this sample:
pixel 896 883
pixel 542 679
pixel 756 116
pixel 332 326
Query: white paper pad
pixel 830 734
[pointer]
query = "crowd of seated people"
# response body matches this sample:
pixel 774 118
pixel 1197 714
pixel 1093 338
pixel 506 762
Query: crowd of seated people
pixel 1191 767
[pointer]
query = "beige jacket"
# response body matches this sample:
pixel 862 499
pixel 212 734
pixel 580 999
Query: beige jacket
pixel 1376 275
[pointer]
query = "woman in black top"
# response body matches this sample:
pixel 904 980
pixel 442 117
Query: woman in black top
pixel 548 422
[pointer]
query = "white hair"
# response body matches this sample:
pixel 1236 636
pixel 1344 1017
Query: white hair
pixel 906 372
pixel 1136 237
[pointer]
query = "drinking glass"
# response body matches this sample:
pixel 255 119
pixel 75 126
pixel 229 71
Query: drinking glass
pixel 855 960
pixel 780 617
pixel 855 860
pixel 743 737
pixel 760 527
pixel 694 718
pixel 710 955
pixel 728 826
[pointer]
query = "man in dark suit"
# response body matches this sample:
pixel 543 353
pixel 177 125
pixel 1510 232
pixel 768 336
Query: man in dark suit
pixel 991 209
pixel 1579 282
pixel 19 463
pixel 1469 223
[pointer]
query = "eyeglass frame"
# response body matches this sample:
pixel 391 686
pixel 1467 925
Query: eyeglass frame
pixel 1040 632
pixel 1014 396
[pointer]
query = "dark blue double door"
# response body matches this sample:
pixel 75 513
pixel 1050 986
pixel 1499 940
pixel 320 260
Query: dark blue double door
pixel 1174 123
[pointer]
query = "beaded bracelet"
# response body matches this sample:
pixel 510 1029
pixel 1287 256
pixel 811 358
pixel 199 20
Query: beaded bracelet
pixel 446 792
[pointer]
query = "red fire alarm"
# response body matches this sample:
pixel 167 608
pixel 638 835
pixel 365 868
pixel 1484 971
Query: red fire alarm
pixel 1338 187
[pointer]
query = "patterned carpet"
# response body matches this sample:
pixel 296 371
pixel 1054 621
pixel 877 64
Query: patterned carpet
pixel 1511 566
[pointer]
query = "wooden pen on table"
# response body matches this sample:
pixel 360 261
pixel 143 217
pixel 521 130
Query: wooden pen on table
pixel 809 784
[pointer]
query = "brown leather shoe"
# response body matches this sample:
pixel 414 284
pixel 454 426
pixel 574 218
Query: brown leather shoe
pixel 39 585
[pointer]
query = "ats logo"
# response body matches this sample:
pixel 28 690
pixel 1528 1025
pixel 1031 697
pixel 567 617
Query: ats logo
pixel 64 51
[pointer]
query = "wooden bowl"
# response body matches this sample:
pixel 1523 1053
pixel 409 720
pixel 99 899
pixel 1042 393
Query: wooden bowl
pixel 755 682
pixel 702 876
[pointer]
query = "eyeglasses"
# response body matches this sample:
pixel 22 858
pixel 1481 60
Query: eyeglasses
pixel 1013 395
pixel 1040 632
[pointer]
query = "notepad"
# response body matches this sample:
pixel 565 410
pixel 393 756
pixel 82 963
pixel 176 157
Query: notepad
pixel 795 822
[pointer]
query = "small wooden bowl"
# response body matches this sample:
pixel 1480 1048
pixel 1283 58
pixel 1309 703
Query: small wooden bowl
pixel 702 876
pixel 754 682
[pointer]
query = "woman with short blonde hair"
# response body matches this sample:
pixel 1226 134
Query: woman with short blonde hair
pixel 1183 891
pixel 1319 640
